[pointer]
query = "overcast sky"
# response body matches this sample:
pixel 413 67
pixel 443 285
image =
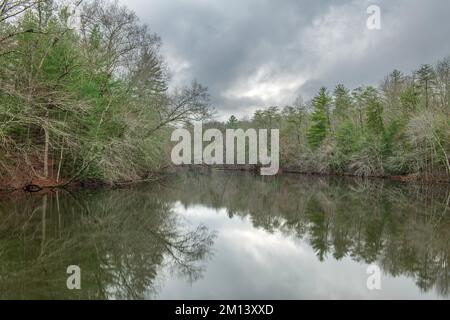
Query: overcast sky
pixel 257 53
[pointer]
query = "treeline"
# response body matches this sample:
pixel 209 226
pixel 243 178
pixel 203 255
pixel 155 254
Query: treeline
pixel 401 127
pixel 84 94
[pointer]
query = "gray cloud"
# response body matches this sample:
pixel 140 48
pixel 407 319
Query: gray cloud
pixel 256 53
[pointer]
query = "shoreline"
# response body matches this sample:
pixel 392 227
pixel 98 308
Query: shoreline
pixel 36 186
pixel 408 178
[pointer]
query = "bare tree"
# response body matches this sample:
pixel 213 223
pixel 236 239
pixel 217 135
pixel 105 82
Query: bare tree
pixel 186 105
pixel 443 83
pixel 12 8
pixel 117 35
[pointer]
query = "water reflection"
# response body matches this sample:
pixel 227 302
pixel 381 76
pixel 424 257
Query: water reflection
pixel 230 235
pixel 120 239
pixel 403 228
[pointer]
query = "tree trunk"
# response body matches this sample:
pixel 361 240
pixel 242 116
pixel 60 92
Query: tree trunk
pixel 61 158
pixel 47 142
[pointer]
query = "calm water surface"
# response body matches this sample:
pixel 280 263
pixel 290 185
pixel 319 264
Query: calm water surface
pixel 227 235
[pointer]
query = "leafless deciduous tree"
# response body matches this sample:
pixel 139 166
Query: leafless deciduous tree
pixel 186 105
pixel 12 8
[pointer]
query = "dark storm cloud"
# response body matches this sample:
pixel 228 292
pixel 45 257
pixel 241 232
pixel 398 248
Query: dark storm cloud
pixel 256 53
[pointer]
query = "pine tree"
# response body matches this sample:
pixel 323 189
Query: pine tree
pixel 320 126
pixel 342 102
pixel 392 89
pixel 426 76
pixel 410 99
pixel 374 110
pixel 232 122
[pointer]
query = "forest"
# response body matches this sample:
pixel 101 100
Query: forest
pixel 84 95
pixel 400 128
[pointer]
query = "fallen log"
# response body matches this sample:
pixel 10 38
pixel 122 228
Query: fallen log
pixel 32 188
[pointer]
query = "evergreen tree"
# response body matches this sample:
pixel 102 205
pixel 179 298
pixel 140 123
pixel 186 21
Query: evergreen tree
pixel 374 111
pixel 232 122
pixel 392 89
pixel 342 102
pixel 320 126
pixel 410 99
pixel 358 98
pixel 426 76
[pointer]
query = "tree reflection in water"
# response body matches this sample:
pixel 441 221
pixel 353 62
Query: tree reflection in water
pixel 405 228
pixel 120 239
pixel 125 240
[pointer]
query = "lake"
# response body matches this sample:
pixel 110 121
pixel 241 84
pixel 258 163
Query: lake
pixel 230 235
